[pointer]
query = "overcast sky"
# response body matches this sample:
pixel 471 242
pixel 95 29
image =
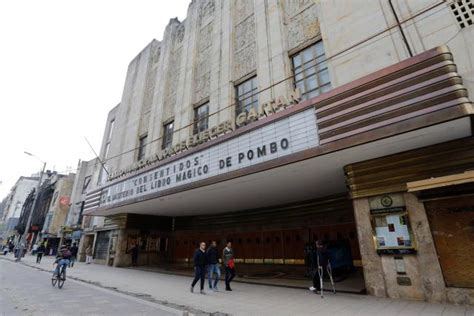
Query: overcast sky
pixel 62 68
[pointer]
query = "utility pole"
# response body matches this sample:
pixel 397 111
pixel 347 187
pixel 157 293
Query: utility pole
pixel 30 215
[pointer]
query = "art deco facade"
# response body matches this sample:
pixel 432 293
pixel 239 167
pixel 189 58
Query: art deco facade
pixel 276 123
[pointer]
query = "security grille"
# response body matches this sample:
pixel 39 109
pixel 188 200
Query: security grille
pixel 463 11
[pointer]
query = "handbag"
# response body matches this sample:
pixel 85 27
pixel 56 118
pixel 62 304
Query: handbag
pixel 231 263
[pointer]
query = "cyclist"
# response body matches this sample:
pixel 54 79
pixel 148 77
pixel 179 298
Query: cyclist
pixel 62 259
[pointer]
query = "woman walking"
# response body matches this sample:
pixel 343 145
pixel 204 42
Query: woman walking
pixel 229 264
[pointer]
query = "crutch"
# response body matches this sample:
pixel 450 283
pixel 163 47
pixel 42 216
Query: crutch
pixel 329 268
pixel 320 272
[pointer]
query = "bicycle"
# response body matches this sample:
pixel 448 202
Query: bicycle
pixel 59 278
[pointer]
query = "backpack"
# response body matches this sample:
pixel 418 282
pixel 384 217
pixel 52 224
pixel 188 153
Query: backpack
pixel 66 254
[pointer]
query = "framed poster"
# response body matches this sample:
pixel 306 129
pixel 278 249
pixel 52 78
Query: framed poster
pixel 391 225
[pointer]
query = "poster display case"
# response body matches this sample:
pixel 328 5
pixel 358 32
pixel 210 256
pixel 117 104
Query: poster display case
pixel 391 225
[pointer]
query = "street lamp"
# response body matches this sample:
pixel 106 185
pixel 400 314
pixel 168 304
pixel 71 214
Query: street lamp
pixel 30 215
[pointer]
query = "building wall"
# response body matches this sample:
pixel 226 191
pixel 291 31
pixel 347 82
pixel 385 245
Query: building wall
pixel 17 196
pixel 389 175
pixel 349 23
pixel 221 43
pixel 59 208
pixel 82 183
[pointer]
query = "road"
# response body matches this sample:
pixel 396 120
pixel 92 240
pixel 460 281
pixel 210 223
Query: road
pixel 27 291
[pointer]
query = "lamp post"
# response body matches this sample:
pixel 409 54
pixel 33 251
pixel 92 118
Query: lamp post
pixel 30 215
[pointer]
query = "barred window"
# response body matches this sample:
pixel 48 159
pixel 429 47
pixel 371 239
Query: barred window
pixel 310 71
pixel 201 118
pixel 142 147
pixel 246 96
pixel 167 135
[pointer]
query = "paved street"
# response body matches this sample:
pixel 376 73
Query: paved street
pixel 27 291
pixel 173 291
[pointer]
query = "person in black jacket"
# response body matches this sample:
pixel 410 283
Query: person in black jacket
pixel 200 262
pixel 213 262
pixel 321 259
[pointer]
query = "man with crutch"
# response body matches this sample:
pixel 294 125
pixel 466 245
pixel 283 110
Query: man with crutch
pixel 322 265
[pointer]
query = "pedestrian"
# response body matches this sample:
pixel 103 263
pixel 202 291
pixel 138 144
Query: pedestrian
pixel 34 249
pixel 88 254
pixel 74 250
pixel 134 252
pixel 321 260
pixel 200 261
pixel 213 262
pixel 39 253
pixel 229 265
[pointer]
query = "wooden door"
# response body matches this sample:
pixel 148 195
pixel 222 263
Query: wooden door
pixel 452 226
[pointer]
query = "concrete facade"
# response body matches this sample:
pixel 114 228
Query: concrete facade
pixel 220 44
pixel 17 196
pixel 13 204
pixel 59 207
pixel 224 43
pixel 82 181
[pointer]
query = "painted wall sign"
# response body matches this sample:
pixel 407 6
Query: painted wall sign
pixel 283 137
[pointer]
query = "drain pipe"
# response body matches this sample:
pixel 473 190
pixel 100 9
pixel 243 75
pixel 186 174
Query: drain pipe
pixel 400 28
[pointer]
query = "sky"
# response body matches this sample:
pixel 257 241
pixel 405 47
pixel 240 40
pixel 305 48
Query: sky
pixel 62 68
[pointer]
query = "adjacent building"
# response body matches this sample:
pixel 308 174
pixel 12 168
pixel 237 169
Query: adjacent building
pixel 53 229
pixel 277 123
pixel 49 212
pixel 13 203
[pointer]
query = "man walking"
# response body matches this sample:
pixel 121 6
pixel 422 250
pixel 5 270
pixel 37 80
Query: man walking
pixel 39 253
pixel 200 261
pixel 134 254
pixel 213 261
pixel 73 250
pixel 229 265
pixel 321 261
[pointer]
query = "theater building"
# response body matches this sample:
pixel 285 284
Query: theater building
pixel 277 123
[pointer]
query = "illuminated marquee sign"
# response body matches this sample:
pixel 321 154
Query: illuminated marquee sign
pixel 277 139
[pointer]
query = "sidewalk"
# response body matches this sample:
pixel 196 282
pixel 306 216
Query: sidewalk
pixel 246 299
pixel 353 284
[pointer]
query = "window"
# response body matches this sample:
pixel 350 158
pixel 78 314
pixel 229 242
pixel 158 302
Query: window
pixel 87 181
pixel 111 129
pixel 463 11
pixel 106 153
pixel 167 135
pixel 99 178
pixel 142 147
pixel 310 71
pixel 201 118
pixel 246 96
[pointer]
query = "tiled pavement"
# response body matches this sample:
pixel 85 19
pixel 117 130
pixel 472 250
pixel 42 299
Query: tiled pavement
pixel 247 299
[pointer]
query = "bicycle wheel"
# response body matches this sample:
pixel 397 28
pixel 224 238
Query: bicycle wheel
pixel 61 278
pixel 54 280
